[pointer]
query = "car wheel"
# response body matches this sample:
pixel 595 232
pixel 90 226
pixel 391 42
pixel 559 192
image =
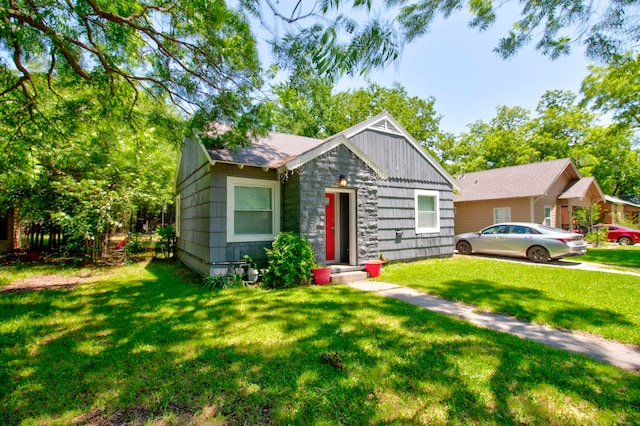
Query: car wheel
pixel 625 241
pixel 538 254
pixel 463 247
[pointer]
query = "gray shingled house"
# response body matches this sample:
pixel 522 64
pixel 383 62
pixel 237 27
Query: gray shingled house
pixel 367 190
pixel 544 192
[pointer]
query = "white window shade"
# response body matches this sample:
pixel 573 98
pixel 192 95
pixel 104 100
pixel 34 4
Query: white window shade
pixel 501 214
pixel 427 214
pixel 252 209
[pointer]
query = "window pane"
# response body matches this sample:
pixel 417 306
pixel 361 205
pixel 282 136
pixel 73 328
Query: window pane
pixel 252 198
pixel 253 213
pixel 253 222
pixel 426 204
pixel 502 214
pixel 426 219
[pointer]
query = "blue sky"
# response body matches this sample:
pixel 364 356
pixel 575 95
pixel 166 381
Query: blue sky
pixel 456 65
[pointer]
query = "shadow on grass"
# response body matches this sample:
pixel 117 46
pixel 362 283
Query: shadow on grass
pixel 628 256
pixel 509 301
pixel 152 344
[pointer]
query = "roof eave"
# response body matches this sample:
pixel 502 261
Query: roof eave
pixel 327 146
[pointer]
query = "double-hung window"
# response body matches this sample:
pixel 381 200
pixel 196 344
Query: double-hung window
pixel 427 205
pixel 547 215
pixel 501 214
pixel 253 212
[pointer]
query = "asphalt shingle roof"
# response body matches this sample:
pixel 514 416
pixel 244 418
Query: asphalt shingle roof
pixel 270 151
pixel 527 180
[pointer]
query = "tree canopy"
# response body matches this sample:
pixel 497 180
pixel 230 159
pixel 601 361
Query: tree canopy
pixel 308 107
pixel 200 55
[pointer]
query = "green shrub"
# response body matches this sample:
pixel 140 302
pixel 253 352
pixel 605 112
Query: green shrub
pixel 221 282
pixel 137 244
pixel 596 236
pixel 167 244
pixel 290 261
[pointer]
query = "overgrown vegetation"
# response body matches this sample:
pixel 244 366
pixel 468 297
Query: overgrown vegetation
pixel 146 344
pixel 290 261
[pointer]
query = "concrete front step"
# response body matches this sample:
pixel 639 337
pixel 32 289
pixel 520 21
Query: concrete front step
pixel 348 277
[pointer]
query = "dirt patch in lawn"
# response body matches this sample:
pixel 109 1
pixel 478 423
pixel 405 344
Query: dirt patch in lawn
pixel 47 282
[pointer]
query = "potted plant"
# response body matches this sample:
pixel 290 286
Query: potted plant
pixel 252 271
pixel 373 267
pixel 321 274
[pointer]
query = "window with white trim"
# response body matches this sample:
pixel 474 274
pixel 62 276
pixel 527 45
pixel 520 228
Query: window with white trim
pixel 547 215
pixel 253 209
pixel 427 205
pixel 501 214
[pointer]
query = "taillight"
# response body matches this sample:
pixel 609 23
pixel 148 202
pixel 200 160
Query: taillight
pixel 568 240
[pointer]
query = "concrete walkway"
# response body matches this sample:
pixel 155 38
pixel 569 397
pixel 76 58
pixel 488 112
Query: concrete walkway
pixel 614 353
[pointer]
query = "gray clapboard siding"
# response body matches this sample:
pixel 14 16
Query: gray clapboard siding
pixel 397 156
pixel 409 170
pixel 192 184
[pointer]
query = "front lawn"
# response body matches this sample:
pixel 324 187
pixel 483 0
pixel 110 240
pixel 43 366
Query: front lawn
pixel 602 303
pixel 626 256
pixel 144 344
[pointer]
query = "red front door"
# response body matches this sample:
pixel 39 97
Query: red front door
pixel 330 226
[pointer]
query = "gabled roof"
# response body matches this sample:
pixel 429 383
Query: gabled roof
pixel 385 122
pixel 287 152
pixel 526 180
pixel 578 190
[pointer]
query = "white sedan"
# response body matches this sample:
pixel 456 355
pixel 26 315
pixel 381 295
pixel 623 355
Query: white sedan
pixel 537 242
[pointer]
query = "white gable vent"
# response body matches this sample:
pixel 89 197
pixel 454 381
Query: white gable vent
pixel 386 126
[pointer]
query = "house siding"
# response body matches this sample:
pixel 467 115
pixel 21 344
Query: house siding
pixel 221 250
pixel 398 239
pixel 322 173
pixel 472 216
pixel 551 199
pixel 408 171
pixel 193 186
pixel 202 244
pixel 395 155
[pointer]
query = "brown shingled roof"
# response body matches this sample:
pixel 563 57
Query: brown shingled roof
pixel 527 180
pixel 270 151
pixel 580 188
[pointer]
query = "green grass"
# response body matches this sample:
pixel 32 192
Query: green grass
pixel 145 345
pixel 601 303
pixel 626 256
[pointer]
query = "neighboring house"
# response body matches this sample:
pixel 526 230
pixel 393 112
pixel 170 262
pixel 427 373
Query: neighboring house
pixel 370 189
pixel 617 210
pixel 545 193
pixel 9 237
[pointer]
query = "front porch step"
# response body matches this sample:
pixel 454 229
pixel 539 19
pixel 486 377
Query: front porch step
pixel 349 276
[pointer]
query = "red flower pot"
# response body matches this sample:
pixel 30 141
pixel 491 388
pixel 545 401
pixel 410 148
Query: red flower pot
pixel 321 275
pixel 373 267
